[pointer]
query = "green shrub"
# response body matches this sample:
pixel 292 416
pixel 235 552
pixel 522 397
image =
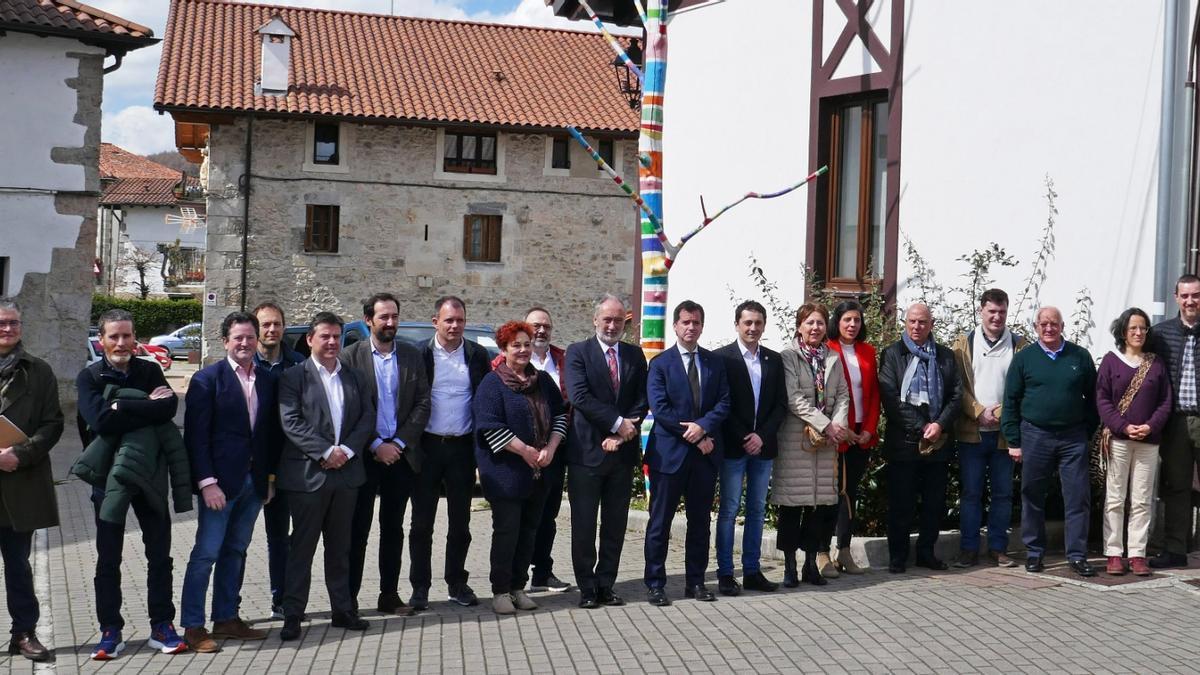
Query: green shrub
pixel 150 317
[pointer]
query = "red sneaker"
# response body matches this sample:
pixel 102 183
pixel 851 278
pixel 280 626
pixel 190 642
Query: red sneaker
pixel 1116 566
pixel 1140 567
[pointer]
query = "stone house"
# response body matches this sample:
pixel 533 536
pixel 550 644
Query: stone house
pixel 423 157
pixel 148 215
pixel 52 66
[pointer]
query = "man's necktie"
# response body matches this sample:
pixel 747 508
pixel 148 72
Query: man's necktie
pixel 612 369
pixel 693 375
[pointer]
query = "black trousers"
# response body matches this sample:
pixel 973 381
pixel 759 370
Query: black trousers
pixel 449 462
pixel 804 528
pixel 110 542
pixel 852 466
pixel 543 542
pixel 602 490
pixel 393 484
pixel 277 522
pixel 696 484
pixel 325 514
pixel 908 482
pixel 1180 452
pixel 15 547
pixel 514 526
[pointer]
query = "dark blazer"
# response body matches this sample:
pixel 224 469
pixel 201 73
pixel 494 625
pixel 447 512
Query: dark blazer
pixel 905 422
pixel 478 364
pixel 772 401
pixel 412 396
pixel 670 400
pixel 596 406
pixel 305 417
pixel 217 434
pixel 31 403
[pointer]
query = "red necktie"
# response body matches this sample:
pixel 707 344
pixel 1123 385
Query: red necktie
pixel 612 369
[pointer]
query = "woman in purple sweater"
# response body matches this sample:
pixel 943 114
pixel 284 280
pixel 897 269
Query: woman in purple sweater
pixel 1136 431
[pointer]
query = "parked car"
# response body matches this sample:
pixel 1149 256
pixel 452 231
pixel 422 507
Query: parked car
pixel 179 342
pixel 160 354
pixel 96 352
pixel 414 333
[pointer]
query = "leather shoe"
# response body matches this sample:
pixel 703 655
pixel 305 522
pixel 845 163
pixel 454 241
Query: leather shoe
pixel 419 601
pixel 1166 560
pixel 932 563
pixel 589 601
pixel 349 621
pixel 727 585
pixel 390 603
pixel 1083 568
pixel 291 628
pixel 897 567
pixel 27 645
pixel 967 559
pixel 657 597
pixel 699 592
pixel 755 581
pixel 1034 564
pixel 607 597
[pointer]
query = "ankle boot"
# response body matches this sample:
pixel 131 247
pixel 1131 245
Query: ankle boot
pixel 825 566
pixel 846 564
pixel 790 578
pixel 810 573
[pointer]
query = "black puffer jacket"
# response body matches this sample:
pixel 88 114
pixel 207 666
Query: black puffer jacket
pixel 905 422
pixel 1167 339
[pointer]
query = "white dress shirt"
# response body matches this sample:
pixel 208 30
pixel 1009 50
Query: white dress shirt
pixel 604 347
pixel 754 367
pixel 331 381
pixel 546 365
pixel 450 410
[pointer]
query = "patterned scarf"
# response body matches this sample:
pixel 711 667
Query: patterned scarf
pixel 923 378
pixel 8 367
pixel 528 387
pixel 815 358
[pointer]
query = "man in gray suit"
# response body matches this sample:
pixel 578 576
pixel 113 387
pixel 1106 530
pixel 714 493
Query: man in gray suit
pixel 399 388
pixel 328 420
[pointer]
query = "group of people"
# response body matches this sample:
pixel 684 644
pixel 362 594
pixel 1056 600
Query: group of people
pixel 312 443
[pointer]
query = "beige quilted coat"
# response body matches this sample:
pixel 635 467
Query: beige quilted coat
pixel 804 475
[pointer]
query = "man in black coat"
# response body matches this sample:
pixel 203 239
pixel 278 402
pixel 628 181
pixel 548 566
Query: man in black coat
pixel 606 385
pixel 758 404
pixel 920 392
pixel 454 366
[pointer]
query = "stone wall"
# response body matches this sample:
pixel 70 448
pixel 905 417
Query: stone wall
pixel 565 240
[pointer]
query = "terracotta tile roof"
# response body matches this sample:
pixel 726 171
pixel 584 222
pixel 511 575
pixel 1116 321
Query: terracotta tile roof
pixel 382 67
pixel 144 191
pixel 117 162
pixel 67 17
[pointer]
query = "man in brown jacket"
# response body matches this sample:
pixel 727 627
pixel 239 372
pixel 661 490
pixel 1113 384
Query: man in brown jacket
pixel 983 356
pixel 29 401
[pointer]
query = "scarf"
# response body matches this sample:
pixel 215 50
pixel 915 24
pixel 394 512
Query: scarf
pixel 922 378
pixel 815 358
pixel 8 367
pixel 530 389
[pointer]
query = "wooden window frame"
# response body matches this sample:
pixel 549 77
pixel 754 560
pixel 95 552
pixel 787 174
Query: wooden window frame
pixel 492 237
pixel 473 165
pixel 321 237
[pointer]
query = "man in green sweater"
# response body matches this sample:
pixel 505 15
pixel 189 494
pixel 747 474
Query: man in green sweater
pixel 1049 413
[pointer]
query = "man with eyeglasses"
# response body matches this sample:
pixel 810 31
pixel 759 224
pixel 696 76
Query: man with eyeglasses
pixel 1048 415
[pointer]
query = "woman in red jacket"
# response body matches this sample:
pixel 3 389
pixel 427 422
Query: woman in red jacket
pixel 848 337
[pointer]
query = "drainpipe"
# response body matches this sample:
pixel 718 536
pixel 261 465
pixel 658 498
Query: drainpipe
pixel 1170 237
pixel 245 188
pixel 119 56
pixel 1191 260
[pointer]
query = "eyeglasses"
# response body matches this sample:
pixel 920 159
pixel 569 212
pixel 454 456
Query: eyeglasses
pixel 1048 324
pixel 12 324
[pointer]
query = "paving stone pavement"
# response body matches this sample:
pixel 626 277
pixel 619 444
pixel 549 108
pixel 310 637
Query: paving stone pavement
pixel 985 620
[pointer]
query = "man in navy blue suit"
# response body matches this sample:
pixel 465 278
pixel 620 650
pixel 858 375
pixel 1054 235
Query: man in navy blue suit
pixel 689 397
pixel 231 432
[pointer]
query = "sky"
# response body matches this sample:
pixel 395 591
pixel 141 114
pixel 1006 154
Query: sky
pixel 130 120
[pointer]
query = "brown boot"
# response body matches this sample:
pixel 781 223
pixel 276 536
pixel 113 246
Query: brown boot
pixel 199 641
pixel 826 566
pixel 27 645
pixel 846 564
pixel 236 629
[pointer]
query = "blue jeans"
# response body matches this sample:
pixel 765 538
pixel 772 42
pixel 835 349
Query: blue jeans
pixel 1043 451
pixel 757 474
pixel 983 464
pixel 222 538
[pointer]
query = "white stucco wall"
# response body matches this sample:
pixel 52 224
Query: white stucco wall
pixel 146 228
pixel 995 98
pixel 31 230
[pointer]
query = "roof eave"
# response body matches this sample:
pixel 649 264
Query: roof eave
pixel 113 42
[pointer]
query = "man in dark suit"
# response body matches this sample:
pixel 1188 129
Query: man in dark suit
pixel 606 385
pixel 758 404
pixel 454 367
pixel 689 397
pixel 328 420
pixel 400 395
pixel 231 430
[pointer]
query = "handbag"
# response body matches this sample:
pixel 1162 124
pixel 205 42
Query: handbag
pixel 1101 444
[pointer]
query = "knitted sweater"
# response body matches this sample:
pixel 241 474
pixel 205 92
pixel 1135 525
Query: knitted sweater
pixel 1052 394
pixel 500 415
pixel 1151 405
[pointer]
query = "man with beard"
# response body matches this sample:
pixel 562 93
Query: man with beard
pixel 396 376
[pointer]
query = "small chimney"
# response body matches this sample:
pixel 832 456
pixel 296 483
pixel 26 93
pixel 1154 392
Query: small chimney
pixel 276 57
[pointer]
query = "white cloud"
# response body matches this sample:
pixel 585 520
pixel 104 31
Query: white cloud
pixel 139 129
